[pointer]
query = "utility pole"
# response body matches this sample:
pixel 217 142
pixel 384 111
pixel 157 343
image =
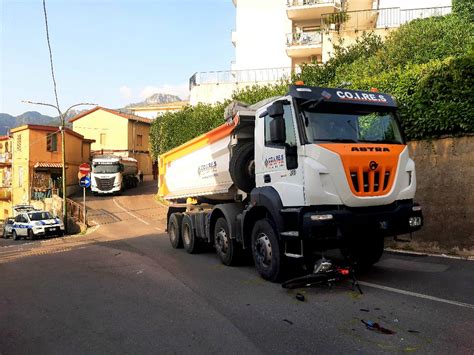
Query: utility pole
pixel 62 128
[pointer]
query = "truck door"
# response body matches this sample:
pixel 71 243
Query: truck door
pixel 278 165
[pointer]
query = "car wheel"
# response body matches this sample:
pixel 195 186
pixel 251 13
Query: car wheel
pixel 266 250
pixel 190 242
pixel 228 249
pixel 174 230
pixel 15 236
pixel 4 234
pixel 31 235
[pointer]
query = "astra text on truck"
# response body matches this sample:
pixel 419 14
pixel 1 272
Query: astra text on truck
pixel 294 176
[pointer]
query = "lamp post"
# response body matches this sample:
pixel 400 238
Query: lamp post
pixel 62 118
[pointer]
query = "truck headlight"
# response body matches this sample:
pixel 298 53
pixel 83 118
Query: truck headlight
pixel 322 217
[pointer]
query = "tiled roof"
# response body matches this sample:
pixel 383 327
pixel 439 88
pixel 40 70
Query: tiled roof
pixel 48 165
pixel 128 116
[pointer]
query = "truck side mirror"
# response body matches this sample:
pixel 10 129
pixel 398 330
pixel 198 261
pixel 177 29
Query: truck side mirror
pixel 278 130
pixel 276 109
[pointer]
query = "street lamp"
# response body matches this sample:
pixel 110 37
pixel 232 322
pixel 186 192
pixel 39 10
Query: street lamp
pixel 62 117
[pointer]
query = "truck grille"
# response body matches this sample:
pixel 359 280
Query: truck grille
pixel 105 184
pixel 374 182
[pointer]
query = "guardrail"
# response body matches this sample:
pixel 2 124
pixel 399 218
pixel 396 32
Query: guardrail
pixel 240 76
pixel 381 18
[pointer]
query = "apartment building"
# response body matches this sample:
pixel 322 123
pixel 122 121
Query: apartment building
pixel 119 133
pixel 31 164
pixel 274 37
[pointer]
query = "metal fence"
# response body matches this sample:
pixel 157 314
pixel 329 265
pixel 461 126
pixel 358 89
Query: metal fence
pixel 291 3
pixel 76 211
pixel 240 76
pixel 310 38
pixel 381 18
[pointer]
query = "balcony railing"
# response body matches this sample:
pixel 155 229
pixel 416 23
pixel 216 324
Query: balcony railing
pixel 381 18
pixel 5 157
pixel 5 193
pixel 313 38
pixel 240 76
pixel 292 3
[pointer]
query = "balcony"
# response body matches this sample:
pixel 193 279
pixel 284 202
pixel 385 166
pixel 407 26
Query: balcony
pixel 5 158
pixel 377 19
pixel 304 44
pixel 311 9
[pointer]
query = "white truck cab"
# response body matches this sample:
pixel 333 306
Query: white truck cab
pixel 113 174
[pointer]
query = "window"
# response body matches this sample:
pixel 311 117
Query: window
pixel 52 142
pixel 102 138
pixel 139 140
pixel 20 176
pixel 18 143
pixel 289 125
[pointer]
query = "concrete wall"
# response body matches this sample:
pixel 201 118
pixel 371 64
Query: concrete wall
pixel 445 189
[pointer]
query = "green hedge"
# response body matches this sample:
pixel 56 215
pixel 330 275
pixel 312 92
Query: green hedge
pixel 427 64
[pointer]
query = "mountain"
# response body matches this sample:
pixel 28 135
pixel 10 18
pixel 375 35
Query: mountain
pixel 31 117
pixel 156 99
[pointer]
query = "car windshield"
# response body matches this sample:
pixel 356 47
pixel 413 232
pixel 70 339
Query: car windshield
pixel 38 216
pixel 352 127
pixel 105 169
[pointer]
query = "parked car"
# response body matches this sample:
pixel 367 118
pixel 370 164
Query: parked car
pixel 7 227
pixel 34 224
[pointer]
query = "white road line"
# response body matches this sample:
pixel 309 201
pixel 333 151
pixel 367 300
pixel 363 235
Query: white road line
pixel 131 214
pixel 419 295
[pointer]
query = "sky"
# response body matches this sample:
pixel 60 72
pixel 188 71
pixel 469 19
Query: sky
pixel 109 52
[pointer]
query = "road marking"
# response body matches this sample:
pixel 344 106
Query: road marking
pixel 130 213
pixel 419 295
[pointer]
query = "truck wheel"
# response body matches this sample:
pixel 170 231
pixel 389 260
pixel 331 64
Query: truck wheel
pixel 266 250
pixel 242 166
pixel 365 251
pixel 14 235
pixel 190 242
pixel 228 249
pixel 174 230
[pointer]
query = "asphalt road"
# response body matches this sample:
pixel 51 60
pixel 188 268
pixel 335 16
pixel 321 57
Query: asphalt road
pixel 123 289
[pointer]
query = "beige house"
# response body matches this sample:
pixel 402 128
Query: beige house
pixel 274 37
pixel 118 133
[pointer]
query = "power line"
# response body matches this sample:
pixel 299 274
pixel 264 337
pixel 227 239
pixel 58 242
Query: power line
pixel 51 59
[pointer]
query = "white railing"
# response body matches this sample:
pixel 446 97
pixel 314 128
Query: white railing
pixel 313 38
pixel 240 76
pixel 291 3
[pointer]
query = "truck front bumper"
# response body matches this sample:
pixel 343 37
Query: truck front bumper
pixel 334 222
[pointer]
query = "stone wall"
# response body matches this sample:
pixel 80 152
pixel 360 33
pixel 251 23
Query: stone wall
pixel 445 190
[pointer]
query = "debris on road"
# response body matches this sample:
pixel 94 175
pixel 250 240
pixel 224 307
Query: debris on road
pixel 300 297
pixel 377 327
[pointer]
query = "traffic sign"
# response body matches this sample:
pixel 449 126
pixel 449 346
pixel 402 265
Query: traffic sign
pixel 85 182
pixel 84 169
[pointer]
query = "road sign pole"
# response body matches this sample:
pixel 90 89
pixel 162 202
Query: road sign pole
pixel 84 197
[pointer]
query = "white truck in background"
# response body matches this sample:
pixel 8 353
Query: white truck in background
pixel 293 176
pixel 112 174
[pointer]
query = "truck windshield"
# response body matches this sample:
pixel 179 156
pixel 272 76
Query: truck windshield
pixel 105 169
pixel 352 127
pixel 39 216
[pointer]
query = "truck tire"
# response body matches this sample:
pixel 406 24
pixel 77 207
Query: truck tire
pixel 365 251
pixel 242 166
pixel 174 230
pixel 266 251
pixel 228 249
pixel 190 242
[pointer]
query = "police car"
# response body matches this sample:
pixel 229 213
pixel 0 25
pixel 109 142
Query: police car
pixel 34 224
